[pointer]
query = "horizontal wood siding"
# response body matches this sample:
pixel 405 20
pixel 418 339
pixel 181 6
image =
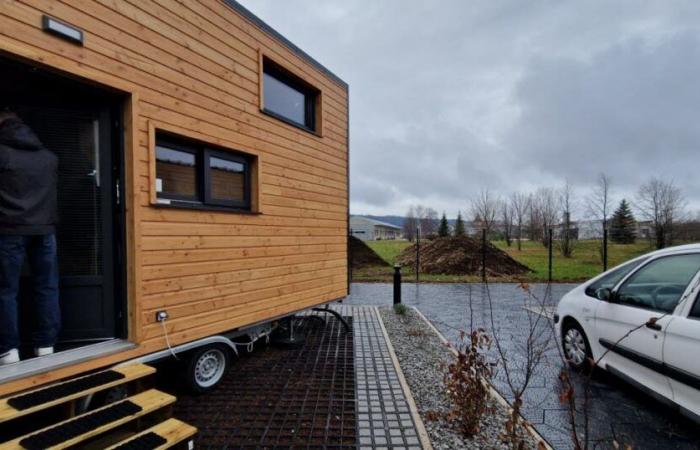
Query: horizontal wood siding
pixel 194 68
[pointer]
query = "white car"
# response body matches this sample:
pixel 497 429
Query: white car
pixel 662 355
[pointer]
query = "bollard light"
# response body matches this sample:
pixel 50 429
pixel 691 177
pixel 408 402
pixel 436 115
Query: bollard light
pixel 397 284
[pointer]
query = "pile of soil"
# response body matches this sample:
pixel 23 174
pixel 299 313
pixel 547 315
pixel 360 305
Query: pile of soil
pixel 460 255
pixel 363 256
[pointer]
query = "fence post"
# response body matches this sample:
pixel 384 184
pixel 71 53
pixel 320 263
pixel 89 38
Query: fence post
pixel 418 254
pixel 483 255
pixel 605 249
pixel 397 284
pixel 549 254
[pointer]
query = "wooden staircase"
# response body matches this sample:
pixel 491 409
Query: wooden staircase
pixel 47 418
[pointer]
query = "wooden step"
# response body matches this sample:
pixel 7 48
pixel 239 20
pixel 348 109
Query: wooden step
pixel 130 373
pixel 172 430
pixel 148 401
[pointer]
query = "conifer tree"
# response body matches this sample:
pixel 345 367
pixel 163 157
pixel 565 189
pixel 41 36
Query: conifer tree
pixel 459 225
pixel 444 229
pixel 622 224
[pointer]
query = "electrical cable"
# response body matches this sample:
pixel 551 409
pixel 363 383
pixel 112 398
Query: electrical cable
pixel 167 339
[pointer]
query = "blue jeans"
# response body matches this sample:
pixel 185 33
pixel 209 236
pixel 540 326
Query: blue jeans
pixel 43 261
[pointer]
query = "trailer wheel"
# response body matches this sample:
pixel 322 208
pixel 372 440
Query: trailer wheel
pixel 206 367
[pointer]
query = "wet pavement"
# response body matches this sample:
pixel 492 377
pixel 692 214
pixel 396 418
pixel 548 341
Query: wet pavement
pixel 617 413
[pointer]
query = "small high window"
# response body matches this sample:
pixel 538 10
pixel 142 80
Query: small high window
pixel 288 98
pixel 193 174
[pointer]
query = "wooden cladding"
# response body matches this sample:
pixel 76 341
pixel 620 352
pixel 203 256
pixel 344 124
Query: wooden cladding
pixel 194 69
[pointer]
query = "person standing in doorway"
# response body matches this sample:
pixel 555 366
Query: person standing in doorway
pixel 28 216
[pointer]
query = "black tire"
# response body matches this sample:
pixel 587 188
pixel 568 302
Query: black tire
pixel 574 343
pixel 206 367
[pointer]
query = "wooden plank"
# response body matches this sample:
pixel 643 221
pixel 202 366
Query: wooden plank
pixel 229 274
pixel 158 257
pixel 172 430
pixel 149 401
pixel 248 283
pixel 232 314
pixel 131 372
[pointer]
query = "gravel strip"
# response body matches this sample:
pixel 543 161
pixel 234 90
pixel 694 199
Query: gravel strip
pixel 424 359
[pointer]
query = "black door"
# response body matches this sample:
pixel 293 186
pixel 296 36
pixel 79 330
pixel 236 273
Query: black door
pixel 81 138
pixel 77 123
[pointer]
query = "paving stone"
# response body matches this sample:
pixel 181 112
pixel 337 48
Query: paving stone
pixel 620 408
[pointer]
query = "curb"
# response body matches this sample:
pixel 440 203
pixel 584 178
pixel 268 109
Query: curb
pixel 542 442
pixel 420 426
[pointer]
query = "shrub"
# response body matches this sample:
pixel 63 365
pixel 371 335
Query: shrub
pixel 400 309
pixel 466 382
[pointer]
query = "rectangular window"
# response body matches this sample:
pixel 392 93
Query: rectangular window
pixel 192 174
pixel 288 98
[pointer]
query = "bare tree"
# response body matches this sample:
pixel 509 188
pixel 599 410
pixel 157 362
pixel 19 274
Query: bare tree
pixel 598 201
pixel 410 224
pixel 506 213
pixel 598 205
pixel 545 205
pixel 568 235
pixel 520 204
pixel 662 203
pixel 484 208
pixel 429 221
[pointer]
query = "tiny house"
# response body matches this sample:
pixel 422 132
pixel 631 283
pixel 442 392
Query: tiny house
pixel 202 175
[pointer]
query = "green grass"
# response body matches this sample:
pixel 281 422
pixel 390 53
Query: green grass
pixel 388 250
pixel 584 264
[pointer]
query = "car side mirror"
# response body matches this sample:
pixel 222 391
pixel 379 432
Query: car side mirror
pixel 604 294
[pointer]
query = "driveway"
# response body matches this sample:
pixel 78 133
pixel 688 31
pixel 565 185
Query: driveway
pixel 617 412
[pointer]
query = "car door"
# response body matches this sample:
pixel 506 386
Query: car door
pixel 635 350
pixel 681 361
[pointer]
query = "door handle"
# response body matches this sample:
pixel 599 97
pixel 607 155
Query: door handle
pixel 653 325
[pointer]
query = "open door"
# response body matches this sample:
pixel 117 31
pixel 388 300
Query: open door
pixel 78 124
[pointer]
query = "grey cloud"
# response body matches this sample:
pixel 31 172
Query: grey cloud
pixel 451 96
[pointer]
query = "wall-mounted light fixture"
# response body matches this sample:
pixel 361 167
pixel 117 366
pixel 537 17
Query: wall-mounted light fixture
pixel 62 29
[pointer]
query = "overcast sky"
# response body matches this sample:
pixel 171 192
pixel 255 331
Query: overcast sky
pixel 450 97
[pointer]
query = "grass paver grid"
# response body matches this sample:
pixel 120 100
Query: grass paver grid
pixel 385 421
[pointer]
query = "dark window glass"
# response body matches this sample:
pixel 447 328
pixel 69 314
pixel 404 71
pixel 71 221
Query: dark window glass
pixel 177 171
pixel 288 99
pixel 660 284
pixel 227 179
pixel 610 280
pixel 695 312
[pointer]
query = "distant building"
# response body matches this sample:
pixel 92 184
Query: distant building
pixel 590 229
pixel 368 229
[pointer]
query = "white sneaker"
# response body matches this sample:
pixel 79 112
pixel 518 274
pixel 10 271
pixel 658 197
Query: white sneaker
pixel 10 357
pixel 43 351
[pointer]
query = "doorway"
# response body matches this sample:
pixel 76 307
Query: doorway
pixel 81 124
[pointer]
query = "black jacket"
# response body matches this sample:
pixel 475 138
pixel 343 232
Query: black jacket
pixel 28 182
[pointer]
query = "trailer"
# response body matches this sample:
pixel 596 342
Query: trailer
pixel 203 178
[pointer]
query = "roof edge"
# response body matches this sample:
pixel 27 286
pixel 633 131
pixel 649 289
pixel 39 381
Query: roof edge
pixel 233 4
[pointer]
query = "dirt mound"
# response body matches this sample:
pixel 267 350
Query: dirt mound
pixel 363 256
pixel 460 256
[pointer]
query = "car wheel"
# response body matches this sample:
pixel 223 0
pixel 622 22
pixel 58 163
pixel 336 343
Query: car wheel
pixel 206 368
pixel 575 345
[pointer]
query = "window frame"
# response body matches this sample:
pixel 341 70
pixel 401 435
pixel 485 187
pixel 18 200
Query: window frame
pixel 311 96
pixel 208 153
pixel 203 153
pixel 641 267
